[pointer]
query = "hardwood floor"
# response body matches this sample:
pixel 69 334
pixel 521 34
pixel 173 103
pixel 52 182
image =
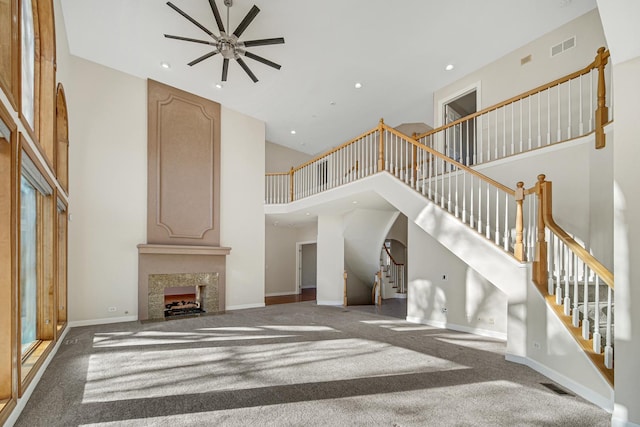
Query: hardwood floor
pixel 306 295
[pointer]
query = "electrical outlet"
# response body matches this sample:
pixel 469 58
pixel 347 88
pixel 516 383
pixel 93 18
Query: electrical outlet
pixel 444 310
pixel 492 321
pixel 444 277
pixel 536 345
pixel 111 309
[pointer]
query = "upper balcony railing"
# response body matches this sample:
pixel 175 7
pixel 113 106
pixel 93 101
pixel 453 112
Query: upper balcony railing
pixel 567 108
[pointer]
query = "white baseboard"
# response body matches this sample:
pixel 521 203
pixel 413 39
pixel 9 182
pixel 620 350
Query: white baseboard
pixel 459 328
pixel 579 389
pixel 244 306
pixel 330 302
pixel 105 321
pixel 617 422
pixel 279 294
pixel 620 417
pixel 15 414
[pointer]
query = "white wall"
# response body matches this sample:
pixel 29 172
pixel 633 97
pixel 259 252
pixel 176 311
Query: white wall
pixel 398 230
pixel 505 77
pixel 242 208
pixel 280 267
pixel 280 159
pixel 108 185
pixel 473 304
pixel 626 232
pixel 108 188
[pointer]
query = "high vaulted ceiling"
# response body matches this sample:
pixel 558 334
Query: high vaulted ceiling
pixel 396 49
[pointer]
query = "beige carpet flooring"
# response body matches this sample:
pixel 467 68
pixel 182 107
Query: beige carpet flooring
pixel 293 365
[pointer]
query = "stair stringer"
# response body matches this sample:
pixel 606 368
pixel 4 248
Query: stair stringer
pixel 554 352
pixel 492 262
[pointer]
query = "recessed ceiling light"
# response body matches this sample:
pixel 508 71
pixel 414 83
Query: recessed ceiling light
pixel 293 132
pixel 358 85
pixel 218 86
pixel 165 65
pixel 307 214
pixel 355 202
pixel 449 67
pixel 332 103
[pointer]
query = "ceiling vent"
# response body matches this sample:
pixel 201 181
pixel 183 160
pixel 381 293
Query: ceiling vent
pixel 563 46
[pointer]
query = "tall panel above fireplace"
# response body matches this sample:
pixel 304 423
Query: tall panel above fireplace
pixel 183 168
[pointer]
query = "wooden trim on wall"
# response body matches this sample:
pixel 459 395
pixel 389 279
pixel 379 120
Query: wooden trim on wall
pixel 62 139
pixel 8 290
pixel 10 86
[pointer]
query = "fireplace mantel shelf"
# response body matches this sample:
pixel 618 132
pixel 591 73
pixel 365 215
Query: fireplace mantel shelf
pixel 144 248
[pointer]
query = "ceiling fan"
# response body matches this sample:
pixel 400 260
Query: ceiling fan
pixel 228 45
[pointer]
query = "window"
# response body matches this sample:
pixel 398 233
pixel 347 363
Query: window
pixel 28 265
pixel 28 63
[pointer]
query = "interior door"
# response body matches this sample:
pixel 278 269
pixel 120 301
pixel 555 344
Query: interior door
pixel 453 140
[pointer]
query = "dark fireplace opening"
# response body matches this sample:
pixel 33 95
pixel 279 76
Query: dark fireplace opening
pixel 183 301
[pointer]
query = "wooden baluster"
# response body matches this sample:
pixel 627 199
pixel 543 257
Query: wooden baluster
pixel 576 294
pixel 381 146
pixel 602 112
pixel 291 184
pixel 597 338
pixel 344 300
pixel 518 249
pixel 540 263
pixel 414 165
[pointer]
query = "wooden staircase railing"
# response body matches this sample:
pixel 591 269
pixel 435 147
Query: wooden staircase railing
pixel 570 107
pixel 394 270
pixel 575 284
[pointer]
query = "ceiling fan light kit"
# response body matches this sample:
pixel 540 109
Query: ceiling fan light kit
pixel 228 46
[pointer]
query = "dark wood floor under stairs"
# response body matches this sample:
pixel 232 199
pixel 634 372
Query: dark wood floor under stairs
pixel 306 295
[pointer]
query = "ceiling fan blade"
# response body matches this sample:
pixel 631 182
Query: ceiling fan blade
pixel 216 14
pixel 264 42
pixel 263 60
pixel 247 70
pixel 187 39
pixel 225 69
pixel 190 19
pixel 246 21
pixel 202 58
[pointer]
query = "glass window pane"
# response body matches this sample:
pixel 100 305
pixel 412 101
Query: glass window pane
pixel 28 263
pixel 28 62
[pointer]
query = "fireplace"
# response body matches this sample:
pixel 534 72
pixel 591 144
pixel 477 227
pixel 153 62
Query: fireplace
pixel 183 301
pixel 181 294
pixel 163 267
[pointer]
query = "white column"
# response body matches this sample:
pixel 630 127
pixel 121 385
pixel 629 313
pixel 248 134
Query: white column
pixel 330 265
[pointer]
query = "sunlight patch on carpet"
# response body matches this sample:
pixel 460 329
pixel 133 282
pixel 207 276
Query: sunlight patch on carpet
pixel 144 373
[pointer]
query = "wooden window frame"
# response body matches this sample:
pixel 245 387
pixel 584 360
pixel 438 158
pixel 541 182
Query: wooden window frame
pixel 31 361
pixel 10 85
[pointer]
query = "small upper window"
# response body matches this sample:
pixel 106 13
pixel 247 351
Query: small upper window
pixel 28 63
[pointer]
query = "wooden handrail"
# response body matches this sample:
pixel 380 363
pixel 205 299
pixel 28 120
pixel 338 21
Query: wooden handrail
pixel 545 205
pixel 391 256
pixel 451 161
pixel 601 58
pixel 276 173
pixel 338 148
